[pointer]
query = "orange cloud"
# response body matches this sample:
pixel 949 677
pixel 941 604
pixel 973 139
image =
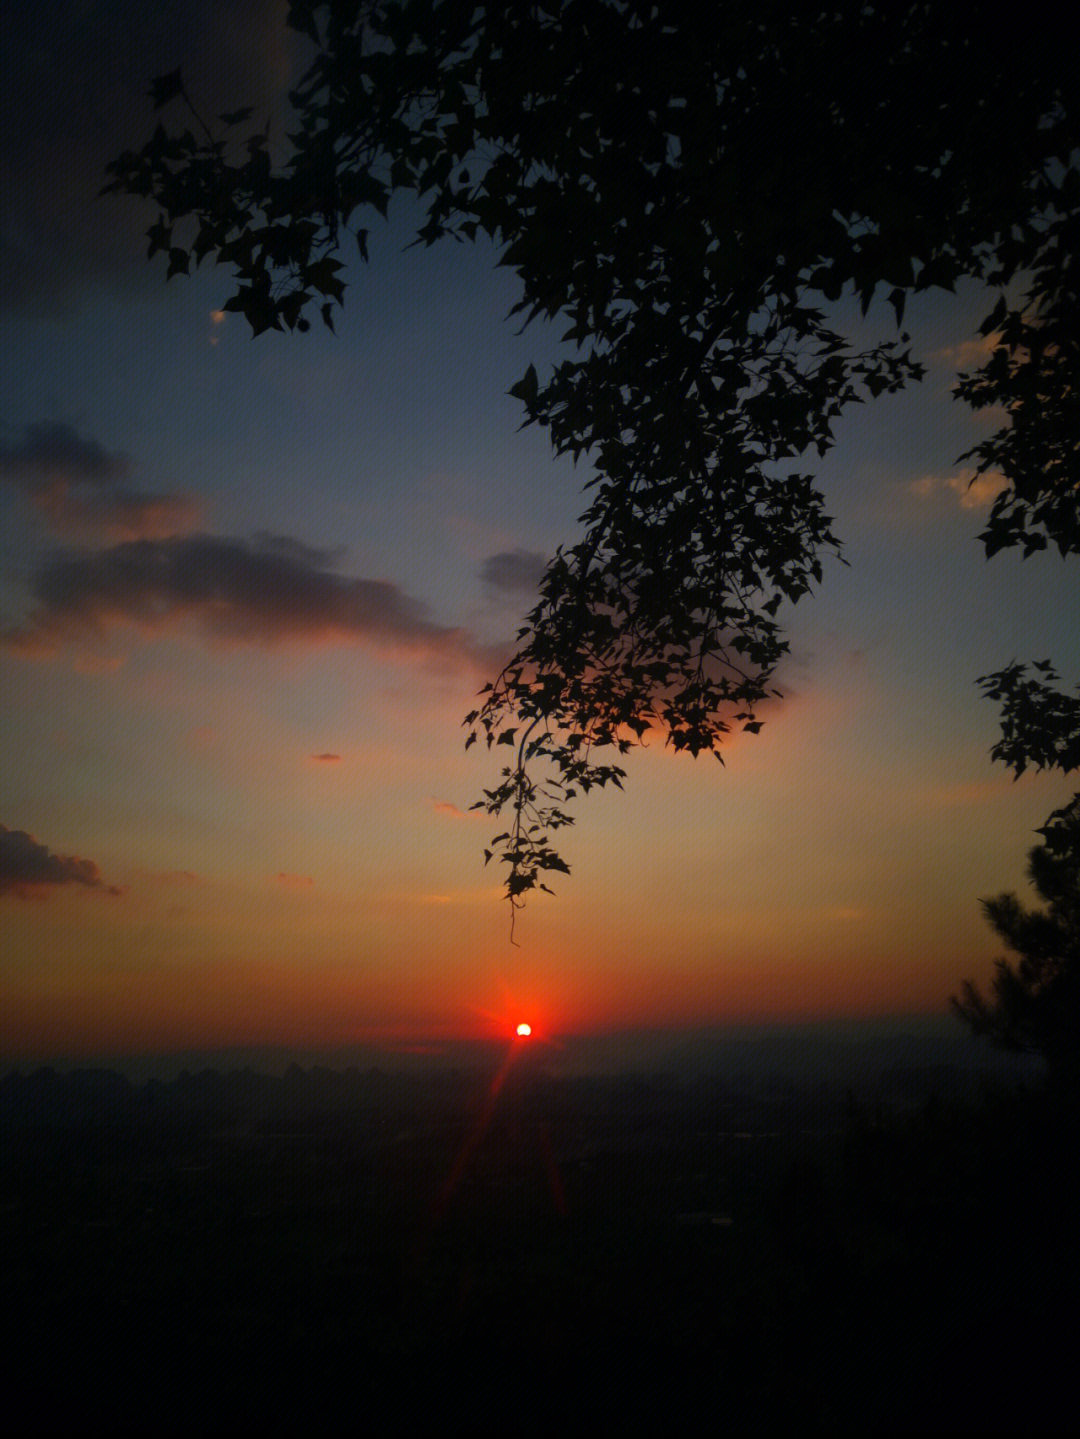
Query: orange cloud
pixel 98 664
pixel 80 488
pixel 295 881
pixel 118 516
pixel 180 878
pixel 967 354
pixel 326 758
pixel 973 492
pixel 443 806
pixel 964 793
pixel 202 737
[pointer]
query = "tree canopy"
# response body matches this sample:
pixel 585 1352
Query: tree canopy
pixel 685 190
pixel 1034 1004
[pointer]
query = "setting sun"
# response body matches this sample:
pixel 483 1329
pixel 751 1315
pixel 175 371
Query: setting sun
pixel 524 1030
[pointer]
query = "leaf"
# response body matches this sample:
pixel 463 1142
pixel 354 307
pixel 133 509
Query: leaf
pixel 166 88
pixel 526 388
pixel 995 318
pixel 160 237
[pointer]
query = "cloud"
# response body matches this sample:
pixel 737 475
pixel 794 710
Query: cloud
pixel 181 878
pixel 28 868
pixel 51 452
pixel 967 354
pixel 98 664
pixel 202 738
pixel 233 591
pixel 122 515
pixel 78 486
pixel 962 794
pixel 514 571
pixel 288 548
pixel 75 95
pixel 326 758
pixel 843 913
pixel 972 493
pixel 295 881
pixel 444 806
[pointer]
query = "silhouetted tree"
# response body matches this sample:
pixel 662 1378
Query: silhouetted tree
pixel 1034 1003
pixel 684 186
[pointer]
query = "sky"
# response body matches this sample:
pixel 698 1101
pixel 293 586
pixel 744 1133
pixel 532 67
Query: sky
pixel 249 589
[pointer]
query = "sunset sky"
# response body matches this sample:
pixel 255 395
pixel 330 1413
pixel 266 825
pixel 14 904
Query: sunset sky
pixel 249 588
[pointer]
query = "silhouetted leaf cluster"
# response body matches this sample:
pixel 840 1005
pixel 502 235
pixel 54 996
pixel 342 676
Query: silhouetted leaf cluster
pixel 682 188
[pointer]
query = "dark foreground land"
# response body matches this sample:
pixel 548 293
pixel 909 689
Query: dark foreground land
pixel 360 1253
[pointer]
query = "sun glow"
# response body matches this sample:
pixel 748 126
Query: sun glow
pixel 524 1030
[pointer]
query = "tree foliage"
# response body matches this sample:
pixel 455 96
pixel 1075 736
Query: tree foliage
pixel 685 190
pixel 1034 1004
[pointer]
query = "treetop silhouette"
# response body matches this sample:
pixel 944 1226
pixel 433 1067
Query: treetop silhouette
pixel 685 189
pixel 1034 1004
